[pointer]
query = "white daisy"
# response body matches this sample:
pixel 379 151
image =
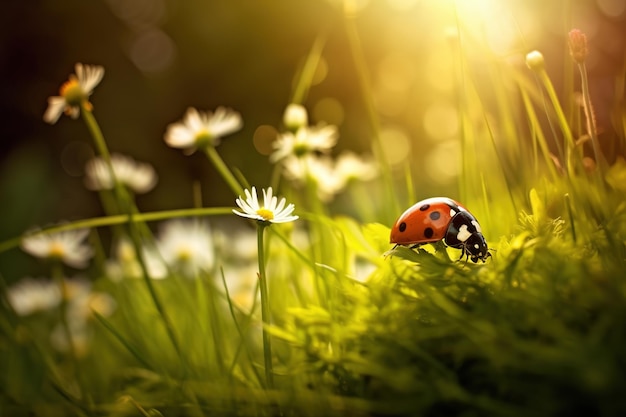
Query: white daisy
pixel 321 138
pixel 67 246
pixel 82 303
pixel 74 93
pixel 138 176
pixel 202 129
pixel 126 265
pixel 29 295
pixel 320 170
pixel 350 166
pixel 271 211
pixel 187 245
pixel 295 117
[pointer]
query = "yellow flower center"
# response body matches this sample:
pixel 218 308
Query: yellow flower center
pixel 301 149
pixel 204 138
pixel 57 250
pixel 266 214
pixel 184 254
pixel 72 92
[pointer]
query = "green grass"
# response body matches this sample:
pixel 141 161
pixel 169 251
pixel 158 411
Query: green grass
pixel 357 328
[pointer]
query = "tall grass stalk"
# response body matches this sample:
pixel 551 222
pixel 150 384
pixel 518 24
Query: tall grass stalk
pixel 265 307
pixel 568 140
pixel 356 50
pixel 223 170
pixel 134 227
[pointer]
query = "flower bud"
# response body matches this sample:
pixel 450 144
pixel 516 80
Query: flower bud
pixel 295 117
pixel 578 45
pixel 535 61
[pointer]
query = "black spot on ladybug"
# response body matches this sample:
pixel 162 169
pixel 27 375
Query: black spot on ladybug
pixel 434 215
pixel 425 207
pixel 428 232
pixel 402 227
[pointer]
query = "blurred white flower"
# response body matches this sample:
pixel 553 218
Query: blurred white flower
pixel 241 281
pixel 67 246
pixel 306 140
pixel 202 129
pixel 30 295
pixel 126 265
pixel 74 93
pixel 186 245
pixel 82 303
pixel 239 246
pixel 270 211
pixel 319 169
pixel 140 177
pixel 350 166
pixel 295 117
pixel 330 176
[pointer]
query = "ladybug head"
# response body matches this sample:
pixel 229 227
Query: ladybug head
pixel 476 248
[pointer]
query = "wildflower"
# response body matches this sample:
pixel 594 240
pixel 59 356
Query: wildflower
pixel 306 140
pixel 578 45
pixel 238 246
pixel 187 245
pixel 29 296
pixel 126 265
pixel 74 93
pixel 202 129
pixel 535 61
pixel 66 246
pixel 82 302
pixel 271 211
pixel 350 166
pixel 319 170
pixel 138 176
pixel 295 117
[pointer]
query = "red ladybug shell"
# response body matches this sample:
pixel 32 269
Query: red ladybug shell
pixel 426 221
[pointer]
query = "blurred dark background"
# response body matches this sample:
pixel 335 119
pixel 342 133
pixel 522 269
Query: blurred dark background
pixel 162 56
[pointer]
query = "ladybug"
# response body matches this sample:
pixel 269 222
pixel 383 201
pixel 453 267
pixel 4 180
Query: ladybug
pixel 437 218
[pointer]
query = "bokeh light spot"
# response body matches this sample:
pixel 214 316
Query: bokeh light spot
pixel 396 71
pixel 612 8
pixel 329 110
pixel 152 51
pixel 396 145
pixel 402 5
pixel 321 71
pixel 439 69
pixel 442 162
pixel 441 121
pixel 139 13
pixel 390 102
pixel 263 138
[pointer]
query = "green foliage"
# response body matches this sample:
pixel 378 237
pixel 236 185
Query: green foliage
pixel 358 327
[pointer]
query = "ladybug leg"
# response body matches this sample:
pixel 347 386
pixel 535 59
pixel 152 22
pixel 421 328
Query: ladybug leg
pixel 464 252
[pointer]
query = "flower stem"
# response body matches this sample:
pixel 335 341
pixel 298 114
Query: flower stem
pixel 221 167
pixel 127 207
pixel 591 120
pixel 265 308
pixel 58 276
pixel 358 57
pixel 119 219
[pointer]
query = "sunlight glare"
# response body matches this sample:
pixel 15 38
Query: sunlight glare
pixel 330 110
pixel 263 138
pixel 396 145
